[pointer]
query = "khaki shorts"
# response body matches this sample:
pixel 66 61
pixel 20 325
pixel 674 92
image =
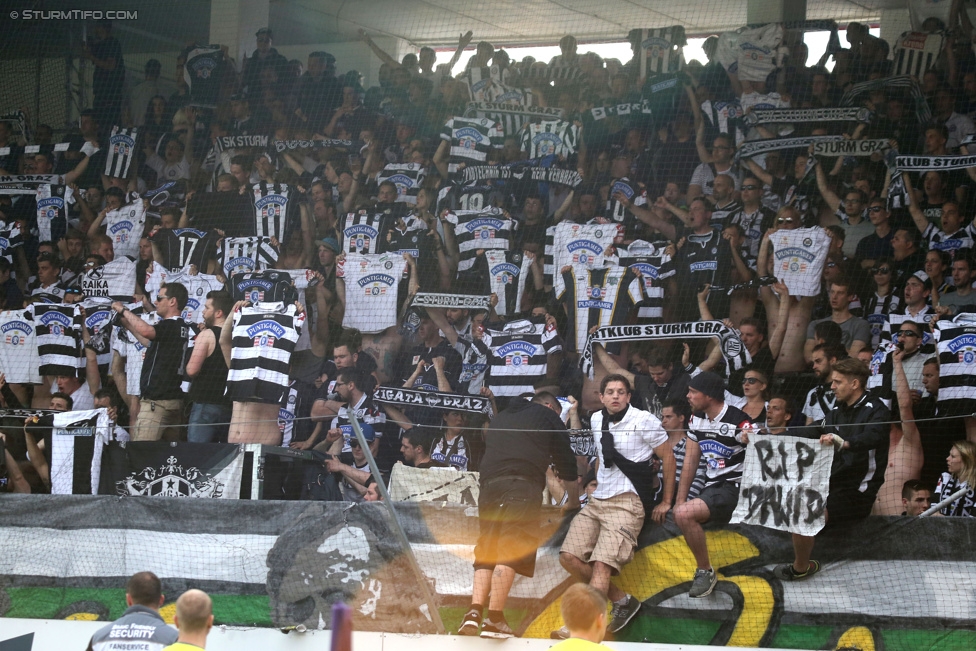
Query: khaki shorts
pixel 156 417
pixel 606 531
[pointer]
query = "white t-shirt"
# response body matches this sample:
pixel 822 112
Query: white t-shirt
pixel 635 437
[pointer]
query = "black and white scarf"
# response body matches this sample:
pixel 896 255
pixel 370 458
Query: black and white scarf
pixel 433 400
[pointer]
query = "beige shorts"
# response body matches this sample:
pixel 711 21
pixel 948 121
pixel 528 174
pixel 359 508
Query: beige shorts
pixel 606 531
pixel 159 416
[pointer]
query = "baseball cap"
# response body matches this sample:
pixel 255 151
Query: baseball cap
pixel 710 384
pixel 330 243
pixel 368 433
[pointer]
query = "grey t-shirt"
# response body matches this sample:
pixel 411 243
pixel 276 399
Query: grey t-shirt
pixel 954 300
pixel 854 329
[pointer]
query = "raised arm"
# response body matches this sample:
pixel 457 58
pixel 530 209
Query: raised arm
pixel 828 195
pixel 921 221
pixel 759 171
pixel 778 332
pixel 462 43
pixel 610 364
pixel 377 50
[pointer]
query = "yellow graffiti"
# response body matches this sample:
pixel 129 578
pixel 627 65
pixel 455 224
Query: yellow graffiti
pixel 670 563
pixel 82 617
pixel 167 612
pixel 856 638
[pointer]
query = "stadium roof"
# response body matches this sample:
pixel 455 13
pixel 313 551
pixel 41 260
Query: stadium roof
pixel 170 24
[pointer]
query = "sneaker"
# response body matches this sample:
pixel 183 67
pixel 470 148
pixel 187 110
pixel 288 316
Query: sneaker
pixel 703 584
pixel 789 573
pixel 560 634
pixel 471 623
pixel 499 630
pixel 620 616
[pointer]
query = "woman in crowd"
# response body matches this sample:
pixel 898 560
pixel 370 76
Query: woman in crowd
pixel 755 392
pixel 961 473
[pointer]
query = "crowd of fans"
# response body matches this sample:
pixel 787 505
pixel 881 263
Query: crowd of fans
pixel 687 238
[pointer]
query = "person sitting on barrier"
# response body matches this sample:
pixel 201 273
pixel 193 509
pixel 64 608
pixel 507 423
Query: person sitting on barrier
pixel 961 464
pixel 353 467
pixel 584 610
pixel 718 432
pixel 916 497
pixel 674 418
pixel 141 620
pixel 603 536
pixel 858 428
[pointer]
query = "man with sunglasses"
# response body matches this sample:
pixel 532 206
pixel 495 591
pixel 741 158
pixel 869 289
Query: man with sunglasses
pixel 161 398
pixel 915 307
pixel 876 245
pixel 754 218
pixel 909 340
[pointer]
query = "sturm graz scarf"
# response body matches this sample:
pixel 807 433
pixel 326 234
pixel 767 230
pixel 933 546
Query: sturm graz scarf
pixel 237 142
pixel 734 351
pixel 938 163
pixel 621 110
pixel 908 82
pixel 329 143
pixel 449 301
pixel 850 147
pixel 756 147
pixel 433 400
pixel 840 114
pixel 555 175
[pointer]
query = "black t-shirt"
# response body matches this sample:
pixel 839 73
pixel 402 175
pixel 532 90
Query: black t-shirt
pixel 427 380
pixel 649 396
pixel 364 363
pixel 162 368
pixel 108 82
pixel 523 440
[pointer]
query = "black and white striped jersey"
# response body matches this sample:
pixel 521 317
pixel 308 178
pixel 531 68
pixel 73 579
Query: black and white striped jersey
pixel 273 209
pixel 244 254
pixel 480 229
pixel 922 317
pixel 655 266
pixel 264 338
pixel 120 151
pixel 10 239
pixel 179 247
pixel 458 196
pixel 550 138
pixel 519 356
pixel 470 140
pixel 916 52
pixel 52 211
pixel 18 347
pixel 595 297
pixel 957 365
pixel 720 442
pixel 408 179
pixel 58 335
pixel 508 272
pixel 820 400
pixel 361 232
pixel 269 286
pixel 98 319
pixel 876 310
pixel 125 227
pixel 955 244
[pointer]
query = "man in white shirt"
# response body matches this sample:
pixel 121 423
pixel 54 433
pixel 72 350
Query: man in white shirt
pixel 603 536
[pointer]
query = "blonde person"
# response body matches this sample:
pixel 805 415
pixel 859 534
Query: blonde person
pixel 961 464
pixel 755 393
pixel 584 611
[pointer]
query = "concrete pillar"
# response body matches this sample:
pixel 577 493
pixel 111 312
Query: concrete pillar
pixel 775 11
pixel 234 22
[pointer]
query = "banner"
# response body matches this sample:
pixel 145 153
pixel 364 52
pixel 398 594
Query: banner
pixel 462 301
pixel 850 147
pixel 350 145
pixel 77 440
pixel 785 483
pixel 842 114
pixel 163 469
pixel 735 353
pixel 25 183
pixel 926 163
pixel 550 112
pixel 234 142
pixel 433 399
pixel 570 178
pixel 755 147
pixel 447 485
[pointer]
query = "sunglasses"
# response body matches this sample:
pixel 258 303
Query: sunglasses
pixel 750 187
pixel 751 380
pixel 161 297
pixel 876 209
pixel 907 333
pixel 786 220
pixel 354 443
pixel 881 270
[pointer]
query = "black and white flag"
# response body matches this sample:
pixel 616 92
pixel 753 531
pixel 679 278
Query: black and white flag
pixel 77 441
pixel 239 142
pixel 433 400
pixel 732 348
pixel 121 149
pixel 161 469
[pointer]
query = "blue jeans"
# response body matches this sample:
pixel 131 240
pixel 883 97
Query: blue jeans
pixel 208 423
